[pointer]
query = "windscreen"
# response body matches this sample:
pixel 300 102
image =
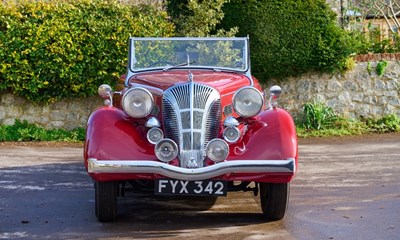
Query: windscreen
pixel 170 53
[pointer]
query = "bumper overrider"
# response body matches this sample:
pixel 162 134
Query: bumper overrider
pixel 287 167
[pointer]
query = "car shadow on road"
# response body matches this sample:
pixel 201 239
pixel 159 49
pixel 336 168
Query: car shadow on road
pixel 152 216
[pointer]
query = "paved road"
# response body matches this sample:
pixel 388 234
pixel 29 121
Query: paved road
pixel 345 189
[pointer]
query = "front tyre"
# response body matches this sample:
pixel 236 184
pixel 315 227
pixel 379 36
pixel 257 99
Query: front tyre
pixel 274 199
pixel 106 201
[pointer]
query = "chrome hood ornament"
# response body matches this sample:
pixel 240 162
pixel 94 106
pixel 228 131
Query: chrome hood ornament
pixel 190 75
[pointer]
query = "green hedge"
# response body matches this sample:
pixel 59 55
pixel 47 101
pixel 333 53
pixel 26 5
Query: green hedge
pixel 289 37
pixel 56 49
pixel 197 18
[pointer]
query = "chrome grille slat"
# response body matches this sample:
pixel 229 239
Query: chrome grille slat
pixel 211 125
pixel 191 116
pixel 170 126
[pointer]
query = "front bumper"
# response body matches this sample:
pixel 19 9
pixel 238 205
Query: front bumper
pixel 287 167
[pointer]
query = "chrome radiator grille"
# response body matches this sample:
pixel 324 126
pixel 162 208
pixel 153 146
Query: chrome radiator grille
pixel 191 117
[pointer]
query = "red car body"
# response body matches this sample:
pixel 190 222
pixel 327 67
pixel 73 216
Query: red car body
pixel 112 134
pixel 114 138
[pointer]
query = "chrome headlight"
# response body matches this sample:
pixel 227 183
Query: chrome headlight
pixel 166 150
pixel 231 134
pixel 217 150
pixel 248 102
pixel 154 135
pixel 137 102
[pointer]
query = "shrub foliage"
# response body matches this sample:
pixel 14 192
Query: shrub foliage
pixel 56 49
pixel 318 116
pixel 198 18
pixel 289 37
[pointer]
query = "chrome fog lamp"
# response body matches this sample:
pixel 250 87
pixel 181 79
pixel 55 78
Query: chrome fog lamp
pixel 217 150
pixel 166 150
pixel 105 91
pixel 137 102
pixel 231 134
pixel 154 135
pixel 248 102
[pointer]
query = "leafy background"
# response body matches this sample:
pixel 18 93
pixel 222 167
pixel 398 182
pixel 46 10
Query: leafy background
pixel 51 50
pixel 59 49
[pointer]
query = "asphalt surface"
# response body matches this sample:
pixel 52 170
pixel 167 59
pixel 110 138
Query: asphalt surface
pixel 346 188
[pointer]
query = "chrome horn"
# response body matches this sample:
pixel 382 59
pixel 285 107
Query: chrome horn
pixel 274 93
pixel 106 92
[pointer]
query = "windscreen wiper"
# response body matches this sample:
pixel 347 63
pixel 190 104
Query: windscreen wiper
pixel 179 65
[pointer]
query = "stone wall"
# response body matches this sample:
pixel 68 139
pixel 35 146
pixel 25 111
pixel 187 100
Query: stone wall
pixel 66 114
pixel 353 94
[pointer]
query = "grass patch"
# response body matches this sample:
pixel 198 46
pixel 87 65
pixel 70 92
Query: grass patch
pixel 320 121
pixel 22 131
pixel 359 129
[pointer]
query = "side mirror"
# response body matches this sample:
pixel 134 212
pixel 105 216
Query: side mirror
pixel 275 92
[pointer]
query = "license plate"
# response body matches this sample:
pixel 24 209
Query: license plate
pixel 181 187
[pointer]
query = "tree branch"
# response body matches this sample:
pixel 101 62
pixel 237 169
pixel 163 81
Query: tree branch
pixel 381 10
pixel 394 15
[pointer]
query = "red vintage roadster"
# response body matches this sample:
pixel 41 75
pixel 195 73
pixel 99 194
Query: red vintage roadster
pixel 190 120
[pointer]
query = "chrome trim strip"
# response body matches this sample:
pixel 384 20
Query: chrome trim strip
pixel 152 167
pixel 192 161
pixel 188 38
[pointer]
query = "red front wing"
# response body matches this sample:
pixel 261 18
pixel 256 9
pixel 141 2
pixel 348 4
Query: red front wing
pixel 112 135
